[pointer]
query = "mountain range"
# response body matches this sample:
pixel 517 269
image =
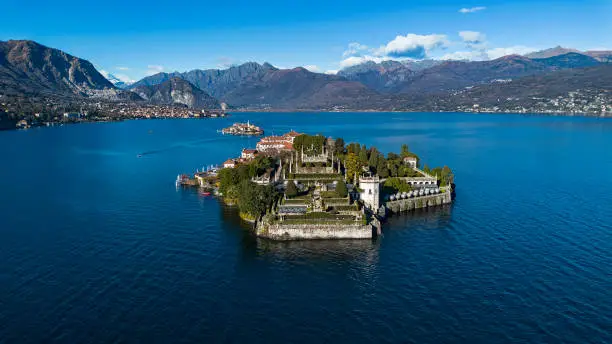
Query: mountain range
pixel 600 55
pixel 28 68
pixel 176 91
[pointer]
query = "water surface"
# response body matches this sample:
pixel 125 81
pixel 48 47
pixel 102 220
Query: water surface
pixel 97 245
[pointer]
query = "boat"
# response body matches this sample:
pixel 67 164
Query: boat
pixel 139 156
pixel 205 193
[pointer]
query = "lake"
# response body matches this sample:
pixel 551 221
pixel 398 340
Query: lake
pixel 97 245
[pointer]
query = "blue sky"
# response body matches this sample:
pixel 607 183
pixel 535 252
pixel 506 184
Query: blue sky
pixel 131 39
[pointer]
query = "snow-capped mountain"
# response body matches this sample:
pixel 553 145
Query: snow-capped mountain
pixel 118 82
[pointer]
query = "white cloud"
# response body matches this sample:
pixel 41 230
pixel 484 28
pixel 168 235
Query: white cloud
pixel 410 46
pixel 465 56
pixel 331 72
pixel 515 50
pixel 357 60
pixel 225 62
pixel 122 68
pixel 355 49
pixel 413 46
pixel 120 77
pixel 472 37
pixel 313 68
pixel 490 54
pixel 472 9
pixel 125 78
pixel 418 47
pixel 154 69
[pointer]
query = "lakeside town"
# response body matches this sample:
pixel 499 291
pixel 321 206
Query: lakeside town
pixel 300 186
pixel 52 111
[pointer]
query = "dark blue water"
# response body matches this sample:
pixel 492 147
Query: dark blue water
pixel 97 245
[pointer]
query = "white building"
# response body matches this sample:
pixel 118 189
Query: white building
pixel 411 161
pixel 248 154
pixel 371 192
pixel 230 163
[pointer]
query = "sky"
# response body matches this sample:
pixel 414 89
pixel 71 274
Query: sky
pixel 133 39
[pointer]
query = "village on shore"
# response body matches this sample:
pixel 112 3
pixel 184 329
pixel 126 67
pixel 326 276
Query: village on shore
pixel 52 112
pixel 300 186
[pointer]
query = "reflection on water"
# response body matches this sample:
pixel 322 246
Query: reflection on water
pixel 318 249
pixel 427 218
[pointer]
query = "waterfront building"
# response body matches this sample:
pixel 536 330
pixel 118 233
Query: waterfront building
pixel 277 143
pixel 248 154
pixel 229 163
pixel 370 194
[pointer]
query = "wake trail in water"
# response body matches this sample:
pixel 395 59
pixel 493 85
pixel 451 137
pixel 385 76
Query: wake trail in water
pixel 186 144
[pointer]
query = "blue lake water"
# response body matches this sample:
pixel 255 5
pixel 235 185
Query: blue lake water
pixel 97 245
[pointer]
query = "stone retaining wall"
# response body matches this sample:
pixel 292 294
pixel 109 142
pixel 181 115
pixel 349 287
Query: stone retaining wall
pixel 419 202
pixel 314 231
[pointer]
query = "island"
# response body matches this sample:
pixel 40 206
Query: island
pixel 300 186
pixel 247 129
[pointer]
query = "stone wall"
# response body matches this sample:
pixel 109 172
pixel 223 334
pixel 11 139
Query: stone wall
pixel 419 202
pixel 314 231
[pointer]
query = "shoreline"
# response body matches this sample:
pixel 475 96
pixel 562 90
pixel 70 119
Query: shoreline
pixel 482 113
pixel 550 114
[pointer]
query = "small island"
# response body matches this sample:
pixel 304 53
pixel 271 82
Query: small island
pixel 317 187
pixel 247 129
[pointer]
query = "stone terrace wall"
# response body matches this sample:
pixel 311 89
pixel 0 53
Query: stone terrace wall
pixel 419 202
pixel 314 231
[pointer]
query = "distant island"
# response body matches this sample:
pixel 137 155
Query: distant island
pixel 299 186
pixel 246 129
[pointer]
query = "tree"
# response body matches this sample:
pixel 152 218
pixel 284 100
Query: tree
pixel 341 189
pixel 392 156
pixel 373 160
pixel 339 146
pixel 353 148
pixel 383 172
pixel 352 166
pixel 363 157
pixel 310 143
pixel 405 151
pixel 291 190
pixel 393 185
pixel 381 167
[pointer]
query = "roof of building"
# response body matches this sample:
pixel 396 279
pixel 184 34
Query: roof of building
pixel 292 133
pixel 229 162
pixel 249 151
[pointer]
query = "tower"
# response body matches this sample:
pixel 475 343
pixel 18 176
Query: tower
pixel 371 192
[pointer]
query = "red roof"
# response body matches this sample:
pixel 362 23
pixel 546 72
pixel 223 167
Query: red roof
pixel 293 133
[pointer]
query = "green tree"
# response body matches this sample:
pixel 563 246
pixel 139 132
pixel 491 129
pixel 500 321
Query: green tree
pixel 393 185
pixel 405 151
pixel 381 167
pixel 392 156
pixel 352 166
pixel 341 189
pixel 373 159
pixel 339 146
pixel 291 190
pixel 363 157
